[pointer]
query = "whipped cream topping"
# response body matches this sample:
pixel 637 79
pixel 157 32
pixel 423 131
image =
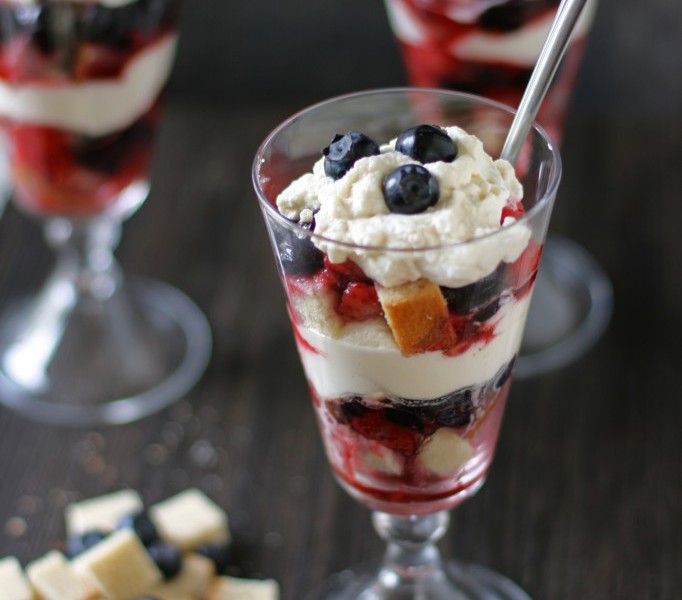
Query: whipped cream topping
pixel 364 360
pixel 473 191
pixel 96 107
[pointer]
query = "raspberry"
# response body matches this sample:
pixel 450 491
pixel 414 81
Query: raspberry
pixel 374 425
pixel 359 302
pixel 347 269
pixel 514 208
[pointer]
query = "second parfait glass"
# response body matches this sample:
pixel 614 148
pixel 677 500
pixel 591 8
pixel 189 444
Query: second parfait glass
pixel 489 48
pixel 81 86
pixel 409 436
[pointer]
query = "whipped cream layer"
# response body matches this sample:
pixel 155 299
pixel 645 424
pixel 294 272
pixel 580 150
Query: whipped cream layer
pixel 364 360
pixel 521 47
pixel 474 189
pixel 97 107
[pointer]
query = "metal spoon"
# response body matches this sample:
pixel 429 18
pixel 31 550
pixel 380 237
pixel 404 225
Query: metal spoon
pixel 543 73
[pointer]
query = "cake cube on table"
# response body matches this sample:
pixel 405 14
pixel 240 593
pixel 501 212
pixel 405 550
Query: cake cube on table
pixel 193 581
pixel 119 566
pixel 233 588
pixel 54 578
pixel 102 513
pixel 190 519
pixel 13 582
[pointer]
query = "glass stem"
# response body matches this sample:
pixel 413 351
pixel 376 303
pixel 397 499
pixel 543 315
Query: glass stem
pixel 412 562
pixel 85 254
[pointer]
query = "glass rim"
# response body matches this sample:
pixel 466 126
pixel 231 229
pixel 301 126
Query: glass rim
pixel 271 211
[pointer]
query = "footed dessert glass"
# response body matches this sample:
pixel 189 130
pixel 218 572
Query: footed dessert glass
pixel 489 48
pixel 81 85
pixel 409 435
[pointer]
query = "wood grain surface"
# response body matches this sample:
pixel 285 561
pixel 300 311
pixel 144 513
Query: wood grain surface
pixel 583 499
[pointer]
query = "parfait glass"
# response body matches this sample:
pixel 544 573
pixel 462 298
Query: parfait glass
pixel 489 48
pixel 408 436
pixel 81 86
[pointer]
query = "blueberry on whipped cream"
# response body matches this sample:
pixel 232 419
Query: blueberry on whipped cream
pixel 345 150
pixel 410 189
pixel 426 143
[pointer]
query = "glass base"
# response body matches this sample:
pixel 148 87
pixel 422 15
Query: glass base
pixel 571 307
pixel 461 581
pixel 71 359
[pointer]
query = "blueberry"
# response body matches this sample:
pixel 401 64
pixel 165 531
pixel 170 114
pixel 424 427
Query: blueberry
pixel 167 557
pixel 37 21
pixel 297 253
pixel 142 525
pixel 77 544
pixel 482 293
pixel 351 409
pixel 404 417
pixel 344 150
pixel 427 144
pixel 218 553
pixel 487 312
pixel 456 409
pixel 505 373
pixel 111 26
pixel 511 15
pixel 109 153
pixel 410 189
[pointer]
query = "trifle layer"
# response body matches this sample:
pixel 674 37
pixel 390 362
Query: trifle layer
pixel 410 433
pixel 408 280
pixel 80 89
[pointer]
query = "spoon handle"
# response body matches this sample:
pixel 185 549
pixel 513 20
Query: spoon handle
pixel 543 73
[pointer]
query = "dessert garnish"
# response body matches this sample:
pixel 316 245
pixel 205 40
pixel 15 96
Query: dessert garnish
pixel 427 144
pixel 410 189
pixel 344 150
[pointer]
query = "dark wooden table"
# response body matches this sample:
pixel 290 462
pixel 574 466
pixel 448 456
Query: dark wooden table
pixel 583 500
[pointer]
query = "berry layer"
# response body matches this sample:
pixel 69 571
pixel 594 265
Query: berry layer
pixel 411 457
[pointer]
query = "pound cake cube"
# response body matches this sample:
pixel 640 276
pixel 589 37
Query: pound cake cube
pixel 316 311
pixel 232 588
pixel 193 581
pixel 119 566
pixel 102 513
pixel 445 453
pixel 417 314
pixel 13 582
pixel 53 577
pixel 190 519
